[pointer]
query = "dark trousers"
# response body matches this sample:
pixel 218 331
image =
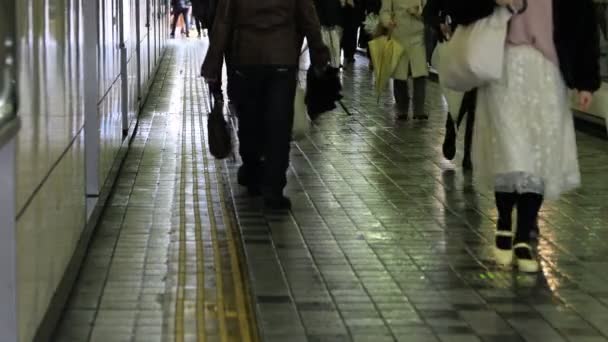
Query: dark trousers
pixel 467 108
pixel 402 96
pixel 231 79
pixel 265 112
pixel 349 36
pixel 176 13
pixel 198 21
pixel 430 42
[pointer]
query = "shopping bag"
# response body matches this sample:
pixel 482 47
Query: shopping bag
pixel 452 97
pixel 301 121
pixel 332 37
pixel 476 53
pixel 219 133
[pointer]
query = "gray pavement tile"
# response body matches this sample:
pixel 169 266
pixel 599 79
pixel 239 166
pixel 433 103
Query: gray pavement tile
pixel 387 241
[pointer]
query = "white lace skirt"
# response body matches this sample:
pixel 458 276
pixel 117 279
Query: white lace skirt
pixel 524 138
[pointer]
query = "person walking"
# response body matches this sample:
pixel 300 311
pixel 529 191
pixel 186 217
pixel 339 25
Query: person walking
pixel 331 16
pixel 199 8
pixel 180 8
pixel 437 18
pixel 265 37
pixel 369 7
pixel 403 19
pixel 524 140
pixel 353 17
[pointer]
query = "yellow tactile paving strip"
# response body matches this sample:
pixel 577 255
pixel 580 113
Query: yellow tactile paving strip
pixel 223 312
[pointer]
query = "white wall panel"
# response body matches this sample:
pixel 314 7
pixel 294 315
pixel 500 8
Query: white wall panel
pixel 50 160
pixel 50 171
pixel 47 234
pixel 110 124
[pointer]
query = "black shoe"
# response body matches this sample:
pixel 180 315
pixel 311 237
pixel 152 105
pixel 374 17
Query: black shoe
pixel 402 117
pixel 245 179
pixel 242 177
pixel 277 202
pixel 449 141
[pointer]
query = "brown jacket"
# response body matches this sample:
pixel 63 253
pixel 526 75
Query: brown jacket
pixel 263 32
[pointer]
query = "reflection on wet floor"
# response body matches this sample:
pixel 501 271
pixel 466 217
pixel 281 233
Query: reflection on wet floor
pixel 387 241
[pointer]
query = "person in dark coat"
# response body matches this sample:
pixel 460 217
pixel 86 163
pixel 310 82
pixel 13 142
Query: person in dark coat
pixel 353 18
pixel 525 143
pixel 436 16
pixel 330 12
pixel 180 8
pixel 265 37
pixel 199 8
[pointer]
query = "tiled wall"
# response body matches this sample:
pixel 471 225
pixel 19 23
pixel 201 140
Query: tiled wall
pixel 51 199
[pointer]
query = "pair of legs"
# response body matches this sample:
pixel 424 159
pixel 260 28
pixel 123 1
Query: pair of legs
pixel 177 12
pixel 349 37
pixel 514 242
pixel 199 22
pixel 467 109
pixel 402 98
pixel 265 110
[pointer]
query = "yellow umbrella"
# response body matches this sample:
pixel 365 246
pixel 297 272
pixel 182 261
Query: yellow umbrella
pixel 385 53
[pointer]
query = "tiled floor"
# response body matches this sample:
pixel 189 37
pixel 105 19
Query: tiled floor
pixel 164 264
pixel 387 241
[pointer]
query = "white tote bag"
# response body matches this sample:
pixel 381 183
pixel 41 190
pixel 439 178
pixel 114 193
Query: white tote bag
pixel 452 97
pixel 476 53
pixel 332 36
pixel 301 121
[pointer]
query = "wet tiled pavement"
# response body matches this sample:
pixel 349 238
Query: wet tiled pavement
pixel 387 241
pixel 164 262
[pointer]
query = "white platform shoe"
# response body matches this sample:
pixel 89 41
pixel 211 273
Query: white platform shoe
pixel 504 257
pixel 529 264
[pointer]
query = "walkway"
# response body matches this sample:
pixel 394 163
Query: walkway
pixel 387 241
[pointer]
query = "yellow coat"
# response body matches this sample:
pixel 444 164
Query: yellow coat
pixel 409 33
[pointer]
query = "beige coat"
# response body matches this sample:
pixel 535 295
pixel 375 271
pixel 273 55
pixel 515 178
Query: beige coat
pixel 410 34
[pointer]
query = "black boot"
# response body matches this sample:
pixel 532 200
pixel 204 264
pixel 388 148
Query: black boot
pixel 528 206
pixel 468 140
pixel 249 176
pixel 420 112
pixel 402 99
pixel 277 201
pixel 449 141
pixel 505 202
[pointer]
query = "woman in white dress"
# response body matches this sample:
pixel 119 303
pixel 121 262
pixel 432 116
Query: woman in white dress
pixel 524 141
pixel 404 19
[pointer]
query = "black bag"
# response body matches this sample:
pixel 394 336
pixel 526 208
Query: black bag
pixel 323 90
pixel 218 130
